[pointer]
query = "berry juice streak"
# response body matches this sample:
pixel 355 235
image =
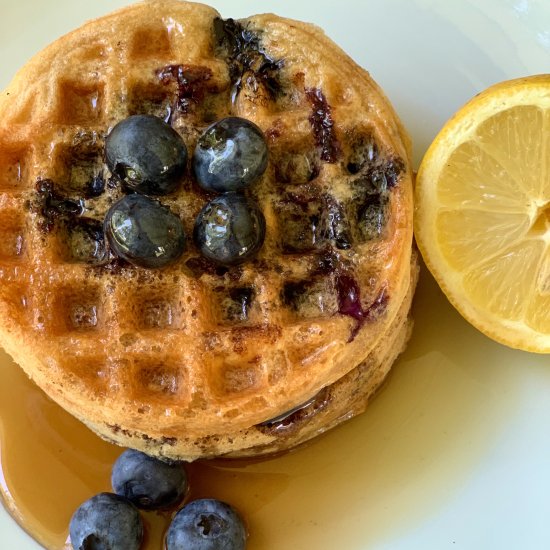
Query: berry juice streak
pixel 373 478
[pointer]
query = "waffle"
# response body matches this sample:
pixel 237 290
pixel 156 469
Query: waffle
pixel 197 359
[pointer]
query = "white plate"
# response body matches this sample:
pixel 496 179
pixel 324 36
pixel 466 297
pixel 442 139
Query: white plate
pixel 463 460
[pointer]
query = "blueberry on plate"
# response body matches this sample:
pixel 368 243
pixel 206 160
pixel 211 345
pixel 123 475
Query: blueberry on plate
pixel 147 154
pixel 229 229
pixel 148 482
pixel 144 232
pixel 206 524
pixel 107 522
pixel 230 155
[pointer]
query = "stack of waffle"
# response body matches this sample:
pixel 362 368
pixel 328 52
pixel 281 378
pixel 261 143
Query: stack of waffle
pixel 197 359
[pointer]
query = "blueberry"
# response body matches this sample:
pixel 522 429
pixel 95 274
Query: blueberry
pixel 148 482
pixel 230 155
pixel 229 229
pixel 147 154
pixel 106 522
pixel 143 232
pixel 206 524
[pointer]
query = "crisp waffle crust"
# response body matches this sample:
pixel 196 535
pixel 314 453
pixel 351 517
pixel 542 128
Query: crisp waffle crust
pixel 194 359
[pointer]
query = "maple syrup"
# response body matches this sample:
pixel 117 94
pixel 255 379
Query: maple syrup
pixel 361 483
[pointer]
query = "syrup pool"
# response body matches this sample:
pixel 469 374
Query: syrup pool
pixel 367 482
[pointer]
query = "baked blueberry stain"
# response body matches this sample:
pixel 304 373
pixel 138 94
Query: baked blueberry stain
pixel 349 298
pixel 192 85
pixel 310 219
pixel 53 206
pixel 296 167
pixel 327 262
pixel 349 302
pixel 86 241
pixel 95 187
pixel 112 183
pixel 385 175
pixel 303 200
pixel 393 170
pixel 323 125
pixel 372 216
pixel 299 216
pixel 199 266
pixel 336 226
pixel 83 317
pixel 371 196
pixel 240 302
pixel 84 160
pixel 291 419
pixel 246 57
pixel 364 151
pixel 365 157
pixel 292 293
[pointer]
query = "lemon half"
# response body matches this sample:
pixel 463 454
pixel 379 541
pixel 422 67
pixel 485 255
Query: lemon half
pixel 483 212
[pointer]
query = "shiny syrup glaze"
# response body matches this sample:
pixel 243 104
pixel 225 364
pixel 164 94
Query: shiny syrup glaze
pixel 374 478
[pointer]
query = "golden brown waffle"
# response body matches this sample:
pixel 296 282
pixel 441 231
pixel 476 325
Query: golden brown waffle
pixel 193 359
